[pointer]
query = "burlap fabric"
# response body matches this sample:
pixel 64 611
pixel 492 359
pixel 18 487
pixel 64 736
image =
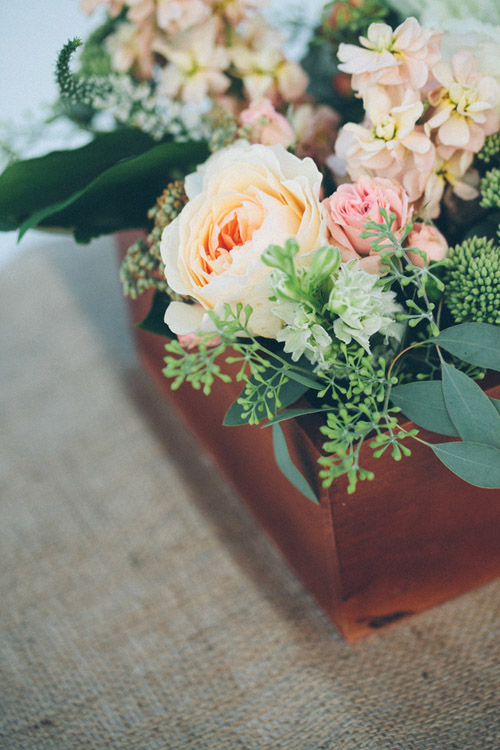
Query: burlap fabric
pixel 141 607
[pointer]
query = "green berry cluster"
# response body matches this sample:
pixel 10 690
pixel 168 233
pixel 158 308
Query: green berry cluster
pixel 142 267
pixel 472 283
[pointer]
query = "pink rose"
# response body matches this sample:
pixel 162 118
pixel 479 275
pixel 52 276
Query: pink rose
pixel 352 205
pixel 266 126
pixel 429 239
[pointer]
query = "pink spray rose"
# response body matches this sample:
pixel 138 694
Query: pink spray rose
pixel 352 205
pixel 429 239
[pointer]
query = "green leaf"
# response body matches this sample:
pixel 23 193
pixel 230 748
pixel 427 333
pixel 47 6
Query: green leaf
pixel 476 463
pixel 154 320
pixel 476 343
pixel 119 198
pixel 423 402
pixel 289 393
pixel 287 467
pixel 303 379
pixel 30 185
pixel 291 414
pixel 470 409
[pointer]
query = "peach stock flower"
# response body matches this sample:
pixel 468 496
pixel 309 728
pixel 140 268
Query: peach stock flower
pixel 389 145
pixel 177 15
pixel 465 104
pixel 401 57
pixel 259 62
pixel 352 205
pixel 195 63
pixel 243 199
pixel 427 238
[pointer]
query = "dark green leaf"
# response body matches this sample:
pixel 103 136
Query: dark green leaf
pixel 291 414
pixel 289 393
pixel 287 467
pixel 120 197
pixel 476 343
pixel 30 185
pixel 423 402
pixel 154 320
pixel 470 409
pixel 476 463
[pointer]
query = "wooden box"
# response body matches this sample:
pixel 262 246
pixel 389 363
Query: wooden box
pixel 410 539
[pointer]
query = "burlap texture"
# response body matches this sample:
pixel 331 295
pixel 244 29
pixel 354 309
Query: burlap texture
pixel 141 607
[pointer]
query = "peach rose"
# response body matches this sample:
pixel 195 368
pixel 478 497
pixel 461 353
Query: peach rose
pixel 429 239
pixel 243 199
pixel 352 205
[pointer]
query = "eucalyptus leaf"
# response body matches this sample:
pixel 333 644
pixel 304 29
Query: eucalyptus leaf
pixel 154 320
pixel 282 416
pixel 470 409
pixel 287 467
pixel 423 402
pixel 299 378
pixel 33 184
pixel 289 393
pixel 476 463
pixel 476 343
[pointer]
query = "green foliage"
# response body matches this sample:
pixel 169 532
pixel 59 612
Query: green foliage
pixel 287 467
pixel 31 185
pixel 476 343
pixel 472 281
pixel 476 463
pixel 474 416
pixel 100 188
pixel 423 402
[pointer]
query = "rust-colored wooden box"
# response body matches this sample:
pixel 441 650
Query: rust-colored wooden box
pixel 412 538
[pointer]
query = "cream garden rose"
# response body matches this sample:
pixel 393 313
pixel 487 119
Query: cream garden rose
pixel 243 199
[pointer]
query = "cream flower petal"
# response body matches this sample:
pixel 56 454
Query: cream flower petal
pixel 454 132
pixel 182 318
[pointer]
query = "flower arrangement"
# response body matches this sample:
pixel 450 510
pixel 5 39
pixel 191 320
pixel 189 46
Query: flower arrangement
pixel 328 229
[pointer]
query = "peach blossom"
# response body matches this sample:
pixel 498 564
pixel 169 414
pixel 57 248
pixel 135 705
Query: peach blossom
pixel 427 238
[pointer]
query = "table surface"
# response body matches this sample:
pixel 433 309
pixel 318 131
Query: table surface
pixel 141 606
